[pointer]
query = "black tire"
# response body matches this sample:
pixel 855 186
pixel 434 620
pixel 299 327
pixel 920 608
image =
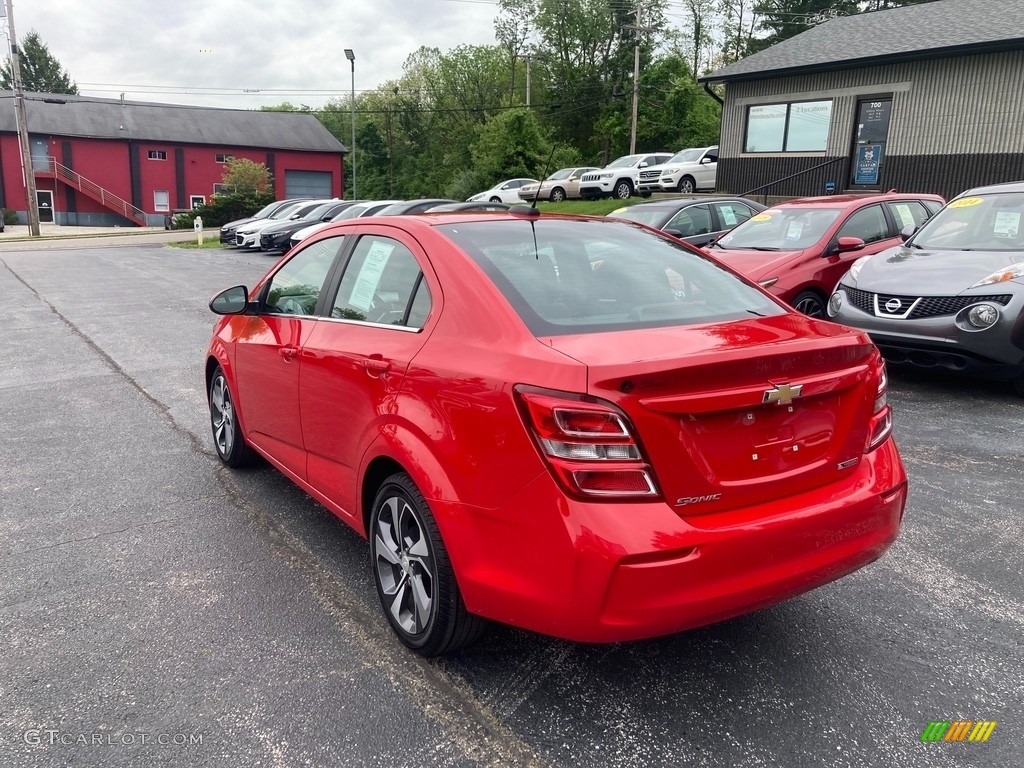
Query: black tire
pixel 811 304
pixel 414 576
pixel 557 195
pixel 623 189
pixel 495 199
pixel 227 435
pixel 1018 385
pixel 686 185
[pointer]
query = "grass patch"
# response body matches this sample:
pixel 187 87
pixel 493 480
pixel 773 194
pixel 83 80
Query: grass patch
pixel 588 207
pixel 208 243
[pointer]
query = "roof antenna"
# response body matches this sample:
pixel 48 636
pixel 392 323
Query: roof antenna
pixel 531 210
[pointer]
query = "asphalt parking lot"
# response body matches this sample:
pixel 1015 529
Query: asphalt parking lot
pixel 159 610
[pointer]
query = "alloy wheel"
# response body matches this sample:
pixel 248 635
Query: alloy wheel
pixel 222 416
pixel 810 305
pixel 404 565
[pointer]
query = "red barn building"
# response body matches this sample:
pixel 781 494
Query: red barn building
pixel 104 162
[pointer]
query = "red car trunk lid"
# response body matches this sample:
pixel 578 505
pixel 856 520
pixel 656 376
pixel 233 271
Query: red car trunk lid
pixel 751 412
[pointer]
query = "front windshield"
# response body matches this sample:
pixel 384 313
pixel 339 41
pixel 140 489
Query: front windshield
pixel 320 210
pixel 623 162
pixel 287 211
pixel 989 222
pixel 352 212
pixel 565 173
pixel 781 229
pixel 686 156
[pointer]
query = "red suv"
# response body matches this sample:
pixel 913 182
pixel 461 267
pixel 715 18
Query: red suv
pixel 799 250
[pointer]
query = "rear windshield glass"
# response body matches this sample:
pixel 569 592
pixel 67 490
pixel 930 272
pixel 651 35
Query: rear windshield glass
pixel 976 222
pixel 567 277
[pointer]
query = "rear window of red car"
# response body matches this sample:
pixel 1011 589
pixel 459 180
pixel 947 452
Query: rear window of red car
pixel 566 276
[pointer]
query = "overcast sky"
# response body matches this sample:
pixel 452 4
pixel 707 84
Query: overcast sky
pixel 208 51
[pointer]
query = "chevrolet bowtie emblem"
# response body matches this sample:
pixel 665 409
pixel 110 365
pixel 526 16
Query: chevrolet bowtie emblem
pixel 782 394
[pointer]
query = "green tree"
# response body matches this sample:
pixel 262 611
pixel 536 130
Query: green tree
pixel 783 19
pixel 40 70
pixel 511 144
pixel 242 176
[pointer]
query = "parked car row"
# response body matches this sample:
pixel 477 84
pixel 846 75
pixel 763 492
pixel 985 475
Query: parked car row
pixel 281 226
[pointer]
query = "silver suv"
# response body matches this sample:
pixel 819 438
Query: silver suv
pixel 620 178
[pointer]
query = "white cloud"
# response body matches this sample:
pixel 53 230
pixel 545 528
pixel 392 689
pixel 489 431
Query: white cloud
pixel 206 52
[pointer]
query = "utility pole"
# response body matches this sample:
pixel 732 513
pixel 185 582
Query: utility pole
pixel 27 173
pixel 636 74
pixel 528 57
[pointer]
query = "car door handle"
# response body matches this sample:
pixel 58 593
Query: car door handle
pixel 289 353
pixel 376 366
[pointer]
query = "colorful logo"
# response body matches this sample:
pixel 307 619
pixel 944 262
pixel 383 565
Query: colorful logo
pixel 958 730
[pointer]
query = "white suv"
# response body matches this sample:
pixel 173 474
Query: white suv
pixel 688 171
pixel 620 178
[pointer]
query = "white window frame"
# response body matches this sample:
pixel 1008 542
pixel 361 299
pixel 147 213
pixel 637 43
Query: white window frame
pixel 157 154
pixel 166 206
pixel 222 157
pixel 192 201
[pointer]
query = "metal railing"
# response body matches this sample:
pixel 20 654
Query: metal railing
pixel 770 184
pixel 91 189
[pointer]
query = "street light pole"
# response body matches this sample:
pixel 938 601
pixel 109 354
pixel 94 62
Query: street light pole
pixel 28 174
pixel 351 56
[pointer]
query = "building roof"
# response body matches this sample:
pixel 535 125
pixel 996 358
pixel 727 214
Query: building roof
pixel 89 117
pixel 930 30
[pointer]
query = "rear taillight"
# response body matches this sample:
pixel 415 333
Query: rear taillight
pixel 588 444
pixel 881 414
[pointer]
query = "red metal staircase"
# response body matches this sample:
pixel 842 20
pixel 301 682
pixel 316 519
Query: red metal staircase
pixel 92 190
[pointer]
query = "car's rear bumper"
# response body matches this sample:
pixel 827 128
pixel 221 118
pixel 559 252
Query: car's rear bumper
pixel 613 572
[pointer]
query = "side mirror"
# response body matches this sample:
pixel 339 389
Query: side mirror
pixel 232 301
pixel 643 165
pixel 848 244
pixel 907 232
pixel 673 231
pixel 705 160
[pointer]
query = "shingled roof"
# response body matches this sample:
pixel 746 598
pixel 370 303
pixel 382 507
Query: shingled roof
pixel 931 30
pixel 85 116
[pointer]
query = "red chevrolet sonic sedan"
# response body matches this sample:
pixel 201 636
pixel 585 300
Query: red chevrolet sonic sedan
pixel 576 426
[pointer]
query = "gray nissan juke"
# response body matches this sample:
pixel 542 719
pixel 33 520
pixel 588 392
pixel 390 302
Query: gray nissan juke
pixel 951 297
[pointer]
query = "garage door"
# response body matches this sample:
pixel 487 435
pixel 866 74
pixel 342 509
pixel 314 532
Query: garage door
pixel 307 184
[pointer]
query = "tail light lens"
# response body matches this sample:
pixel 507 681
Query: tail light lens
pixel 589 445
pixel 881 415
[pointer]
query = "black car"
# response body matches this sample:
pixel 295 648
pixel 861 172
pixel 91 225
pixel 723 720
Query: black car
pixel 227 232
pixel 697 220
pixel 277 237
pixel 412 206
pixel 483 205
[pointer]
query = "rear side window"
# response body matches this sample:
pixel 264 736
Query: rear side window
pixel 382 284
pixel 908 213
pixel 596 276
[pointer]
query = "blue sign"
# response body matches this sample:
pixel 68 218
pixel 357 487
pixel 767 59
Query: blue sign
pixel 869 158
pixel 830 187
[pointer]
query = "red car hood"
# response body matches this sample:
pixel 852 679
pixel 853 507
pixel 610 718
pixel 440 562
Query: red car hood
pixel 754 264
